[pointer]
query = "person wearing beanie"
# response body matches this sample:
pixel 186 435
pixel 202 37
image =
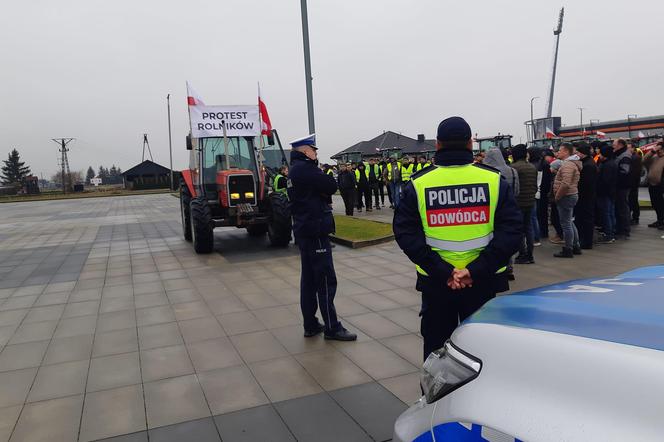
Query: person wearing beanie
pixel 584 211
pixel 607 177
pixel 444 224
pixel 526 201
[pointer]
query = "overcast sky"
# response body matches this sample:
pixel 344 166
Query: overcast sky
pixel 100 70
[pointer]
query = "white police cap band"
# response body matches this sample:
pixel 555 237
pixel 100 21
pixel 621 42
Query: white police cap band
pixel 309 140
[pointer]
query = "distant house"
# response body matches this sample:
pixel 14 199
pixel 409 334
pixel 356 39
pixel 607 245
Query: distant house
pixel 385 145
pixel 148 175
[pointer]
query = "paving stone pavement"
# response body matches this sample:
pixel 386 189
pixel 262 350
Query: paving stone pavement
pixel 112 327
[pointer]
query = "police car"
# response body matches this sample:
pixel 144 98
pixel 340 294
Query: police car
pixel 577 361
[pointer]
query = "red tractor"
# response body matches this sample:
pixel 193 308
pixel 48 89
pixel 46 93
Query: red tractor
pixel 229 183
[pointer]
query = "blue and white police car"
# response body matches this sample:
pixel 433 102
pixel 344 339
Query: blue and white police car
pixel 577 361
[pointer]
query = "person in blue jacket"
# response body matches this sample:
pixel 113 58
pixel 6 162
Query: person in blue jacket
pixel 452 291
pixel 310 193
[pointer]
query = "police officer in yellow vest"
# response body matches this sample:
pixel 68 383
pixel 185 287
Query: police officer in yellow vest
pixel 280 181
pixel 459 223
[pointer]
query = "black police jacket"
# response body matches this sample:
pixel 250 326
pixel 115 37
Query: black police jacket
pixel 310 192
pixel 409 233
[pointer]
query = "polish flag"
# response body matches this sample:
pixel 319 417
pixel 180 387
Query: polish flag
pixel 266 125
pixel 600 134
pixel 549 133
pixel 193 99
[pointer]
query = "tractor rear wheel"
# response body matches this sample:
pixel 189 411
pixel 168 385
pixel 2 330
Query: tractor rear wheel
pixel 185 211
pixel 257 229
pixel 280 226
pixel 201 230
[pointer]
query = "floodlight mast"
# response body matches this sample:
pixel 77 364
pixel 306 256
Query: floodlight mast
pixel 556 32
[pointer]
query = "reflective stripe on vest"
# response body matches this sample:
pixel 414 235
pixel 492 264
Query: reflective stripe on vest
pixel 389 171
pixel 330 172
pixel 457 205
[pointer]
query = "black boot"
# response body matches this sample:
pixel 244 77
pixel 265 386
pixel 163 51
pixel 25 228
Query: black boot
pixel 565 253
pixel 577 250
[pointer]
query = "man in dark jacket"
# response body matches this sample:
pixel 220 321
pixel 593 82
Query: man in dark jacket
pixel 450 293
pixel 624 162
pixel 363 188
pixel 310 192
pixel 347 188
pixel 606 194
pixel 525 200
pixel 584 211
pixel 374 178
pixel 634 182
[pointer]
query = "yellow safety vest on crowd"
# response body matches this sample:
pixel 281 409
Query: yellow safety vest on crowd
pixel 357 174
pixel 457 205
pixel 275 185
pixel 389 171
pixel 407 171
pixel 330 172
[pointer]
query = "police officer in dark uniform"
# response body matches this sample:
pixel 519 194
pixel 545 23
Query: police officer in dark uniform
pixel 310 192
pixel 459 223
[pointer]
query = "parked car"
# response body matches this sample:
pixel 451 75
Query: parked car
pixel 577 361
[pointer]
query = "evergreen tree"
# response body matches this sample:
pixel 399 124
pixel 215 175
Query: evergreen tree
pixel 113 174
pixel 14 169
pixel 103 174
pixel 89 175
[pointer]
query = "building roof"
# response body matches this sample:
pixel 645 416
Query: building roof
pixel 626 309
pixel 388 140
pixel 147 167
pixel 633 124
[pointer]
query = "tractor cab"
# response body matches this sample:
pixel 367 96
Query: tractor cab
pixel 228 183
pixel 391 152
pixel 486 143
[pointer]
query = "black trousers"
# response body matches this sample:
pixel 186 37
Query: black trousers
pixel 657 200
pixel 318 282
pixel 374 189
pixel 584 218
pixel 527 239
pixel 543 216
pixel 364 192
pixel 381 191
pixel 634 203
pixel 348 195
pixel 443 309
pixel 623 226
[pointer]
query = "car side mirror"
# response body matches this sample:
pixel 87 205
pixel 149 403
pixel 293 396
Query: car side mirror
pixel 189 145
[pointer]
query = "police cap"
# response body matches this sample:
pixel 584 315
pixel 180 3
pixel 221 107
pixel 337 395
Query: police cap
pixel 309 140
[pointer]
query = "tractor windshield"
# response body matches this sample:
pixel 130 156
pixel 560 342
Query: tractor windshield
pixel 240 156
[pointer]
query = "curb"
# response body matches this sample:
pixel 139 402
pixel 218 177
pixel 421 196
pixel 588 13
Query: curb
pixel 359 244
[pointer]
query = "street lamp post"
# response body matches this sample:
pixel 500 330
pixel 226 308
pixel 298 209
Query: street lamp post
pixel 532 119
pixel 629 124
pixel 583 129
pixel 170 144
pixel 307 66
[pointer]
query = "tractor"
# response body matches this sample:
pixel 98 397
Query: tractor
pixel 229 184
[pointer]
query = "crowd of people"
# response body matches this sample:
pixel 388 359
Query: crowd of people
pixel 364 185
pixel 579 190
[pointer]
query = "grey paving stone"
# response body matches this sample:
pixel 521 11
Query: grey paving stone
pixel 113 412
pixel 51 420
pixel 115 342
pixel 231 389
pixel 18 356
pixel 160 335
pixel 371 406
pixel 15 385
pixel 154 315
pixel 114 371
pixel 8 418
pixel 319 418
pixel 241 426
pixel 38 331
pixel 141 436
pixel 73 348
pixel 175 400
pixel 116 321
pixel 80 325
pixel 165 362
pixel 59 380
pixel 200 430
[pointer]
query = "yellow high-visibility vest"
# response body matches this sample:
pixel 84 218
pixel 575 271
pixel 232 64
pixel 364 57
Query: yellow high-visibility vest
pixel 407 171
pixel 457 205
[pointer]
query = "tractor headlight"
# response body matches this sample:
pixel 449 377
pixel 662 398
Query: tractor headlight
pixel 249 195
pixel 447 369
pixel 235 196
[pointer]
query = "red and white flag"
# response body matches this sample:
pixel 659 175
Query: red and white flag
pixel 549 133
pixel 600 134
pixel 266 125
pixel 193 99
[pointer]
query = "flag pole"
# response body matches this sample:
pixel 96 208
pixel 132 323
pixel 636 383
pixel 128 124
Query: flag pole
pixel 260 135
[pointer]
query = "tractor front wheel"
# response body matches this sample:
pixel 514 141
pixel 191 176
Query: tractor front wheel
pixel 280 224
pixel 201 229
pixel 185 211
